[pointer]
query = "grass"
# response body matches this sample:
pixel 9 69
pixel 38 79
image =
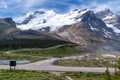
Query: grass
pixel 84 62
pixel 65 50
pixel 41 75
pixel 4 56
pixel 83 76
pixel 37 55
pixel 28 75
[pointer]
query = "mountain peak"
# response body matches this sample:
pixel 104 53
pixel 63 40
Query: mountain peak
pixel 104 13
pixel 88 15
pixel 106 9
pixel 52 20
pixel 6 23
pixel 51 13
pixel 79 11
pixel 84 10
pixel 39 12
pixel 75 10
pixel 109 17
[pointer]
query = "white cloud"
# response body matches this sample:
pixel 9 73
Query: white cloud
pixel 5 6
pixel 31 3
pixel 61 2
pixel 22 4
pixel 19 1
pixel 21 7
pixel 19 19
pixel 113 5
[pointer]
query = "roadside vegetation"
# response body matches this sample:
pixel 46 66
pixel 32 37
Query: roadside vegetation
pixel 64 50
pixel 90 60
pixel 83 76
pixel 114 76
pixel 84 63
pixel 90 76
pixel 27 75
pixel 4 56
pixel 61 51
pixel 40 54
pixel 41 75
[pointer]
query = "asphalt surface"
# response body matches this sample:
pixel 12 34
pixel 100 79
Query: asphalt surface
pixel 47 65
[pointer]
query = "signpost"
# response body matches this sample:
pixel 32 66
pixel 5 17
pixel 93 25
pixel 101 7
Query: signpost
pixel 12 63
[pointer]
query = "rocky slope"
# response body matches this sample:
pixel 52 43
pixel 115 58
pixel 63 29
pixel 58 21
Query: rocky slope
pixel 93 31
pixel 111 19
pixel 51 21
pixel 8 30
pixel 6 23
pixel 13 38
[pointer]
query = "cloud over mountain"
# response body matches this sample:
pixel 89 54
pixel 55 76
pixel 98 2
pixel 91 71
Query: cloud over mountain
pixel 19 8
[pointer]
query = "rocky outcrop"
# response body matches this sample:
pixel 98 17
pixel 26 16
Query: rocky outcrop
pixel 6 23
pixel 91 33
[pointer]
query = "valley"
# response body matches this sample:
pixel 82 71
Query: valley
pixel 46 62
pixel 81 44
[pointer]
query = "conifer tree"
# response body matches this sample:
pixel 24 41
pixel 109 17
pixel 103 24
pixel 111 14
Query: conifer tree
pixel 116 75
pixel 107 75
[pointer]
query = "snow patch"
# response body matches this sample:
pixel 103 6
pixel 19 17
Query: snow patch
pixel 108 55
pixel 107 34
pixel 52 19
pixel 116 30
pixel 91 27
pixel 109 17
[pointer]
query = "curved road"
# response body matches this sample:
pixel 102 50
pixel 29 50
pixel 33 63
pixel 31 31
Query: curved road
pixel 47 65
pixel 28 49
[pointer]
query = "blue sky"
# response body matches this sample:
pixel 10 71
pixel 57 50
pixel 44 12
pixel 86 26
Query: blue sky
pixel 17 9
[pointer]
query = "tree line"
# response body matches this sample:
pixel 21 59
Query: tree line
pixel 29 43
pixel 115 75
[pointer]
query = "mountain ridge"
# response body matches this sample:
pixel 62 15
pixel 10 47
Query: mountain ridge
pixel 92 31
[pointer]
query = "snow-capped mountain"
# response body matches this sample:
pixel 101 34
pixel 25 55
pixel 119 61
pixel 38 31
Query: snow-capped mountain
pixel 89 26
pixel 94 31
pixel 50 20
pixel 9 31
pixel 111 19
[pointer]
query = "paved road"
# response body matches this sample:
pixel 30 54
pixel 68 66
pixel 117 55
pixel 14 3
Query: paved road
pixel 46 65
pixel 34 49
